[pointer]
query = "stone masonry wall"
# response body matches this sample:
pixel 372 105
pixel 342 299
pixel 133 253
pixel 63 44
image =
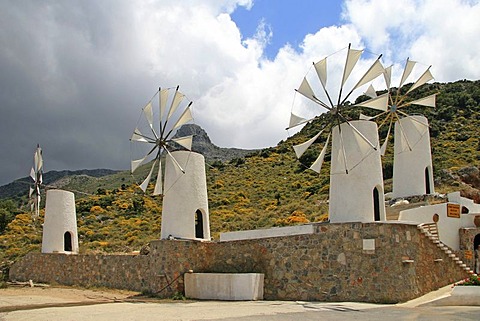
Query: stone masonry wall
pixel 467 251
pixel 329 265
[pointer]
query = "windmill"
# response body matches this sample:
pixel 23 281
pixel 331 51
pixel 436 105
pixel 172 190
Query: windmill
pixel 154 134
pixel 36 174
pixel 335 106
pixel 356 182
pixel 412 169
pixel 398 102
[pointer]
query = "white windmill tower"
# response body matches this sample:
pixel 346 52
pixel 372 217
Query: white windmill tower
pixel 356 182
pixel 412 164
pixel 36 173
pixel 184 189
pixel 60 224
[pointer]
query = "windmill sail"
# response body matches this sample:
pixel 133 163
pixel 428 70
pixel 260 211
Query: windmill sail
pixel 36 173
pixel 336 104
pixel 156 134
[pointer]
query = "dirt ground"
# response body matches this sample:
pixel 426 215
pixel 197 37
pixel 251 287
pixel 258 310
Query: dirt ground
pixel 15 298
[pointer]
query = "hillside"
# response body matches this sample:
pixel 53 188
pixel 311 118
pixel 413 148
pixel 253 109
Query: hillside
pixel 260 189
pixel 19 187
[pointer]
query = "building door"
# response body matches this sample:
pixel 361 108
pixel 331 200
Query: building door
pixel 376 204
pixel 67 242
pixel 199 225
pixel 476 251
pixel 428 189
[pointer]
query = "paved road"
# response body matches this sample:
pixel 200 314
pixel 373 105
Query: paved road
pixel 70 304
pixel 240 311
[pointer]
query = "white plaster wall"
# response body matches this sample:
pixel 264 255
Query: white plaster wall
pixel 60 217
pixel 351 195
pixel 448 227
pixel 463 201
pixel 411 156
pixel 184 195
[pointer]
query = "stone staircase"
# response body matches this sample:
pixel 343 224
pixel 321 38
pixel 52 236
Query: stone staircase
pixel 430 230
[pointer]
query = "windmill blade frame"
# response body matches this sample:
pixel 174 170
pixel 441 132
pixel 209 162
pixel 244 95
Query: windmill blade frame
pixel 336 104
pixel 156 135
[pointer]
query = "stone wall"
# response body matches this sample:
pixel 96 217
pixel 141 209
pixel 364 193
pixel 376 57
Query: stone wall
pixel 466 253
pixel 336 263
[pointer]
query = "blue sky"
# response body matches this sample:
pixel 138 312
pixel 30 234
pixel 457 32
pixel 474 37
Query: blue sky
pixel 75 74
pixel 288 20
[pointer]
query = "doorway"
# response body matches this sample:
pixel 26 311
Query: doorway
pixel 428 189
pixel 67 242
pixel 476 251
pixel 199 224
pixel 376 204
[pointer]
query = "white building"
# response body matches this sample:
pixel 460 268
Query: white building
pixel 185 203
pixel 412 164
pixel 458 213
pixel 60 225
pixel 359 195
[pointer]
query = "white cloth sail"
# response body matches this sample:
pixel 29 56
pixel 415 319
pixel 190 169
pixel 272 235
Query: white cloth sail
pixel 177 99
pixel 383 149
pixel 373 72
pixel 184 141
pixel 371 92
pixel 317 165
pixel 144 184
pixel 301 148
pixel 163 101
pixel 353 56
pixel 425 77
pixel 406 71
pixel 378 103
pixel 295 120
pixel 148 112
pixel 321 69
pixel 306 90
pixel 137 136
pixel 184 118
pixel 136 163
pixel 428 101
pixel 388 76
pixel 32 174
pixel 158 184
pixel 365 117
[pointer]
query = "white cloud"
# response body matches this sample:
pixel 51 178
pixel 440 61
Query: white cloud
pixel 74 75
pixel 441 33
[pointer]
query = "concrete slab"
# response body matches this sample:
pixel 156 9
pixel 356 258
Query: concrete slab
pixel 224 286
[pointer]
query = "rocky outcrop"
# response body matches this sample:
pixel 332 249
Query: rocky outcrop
pixel 203 145
pixel 467 179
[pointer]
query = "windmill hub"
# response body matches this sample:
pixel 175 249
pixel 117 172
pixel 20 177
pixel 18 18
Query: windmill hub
pixel 393 108
pixel 160 142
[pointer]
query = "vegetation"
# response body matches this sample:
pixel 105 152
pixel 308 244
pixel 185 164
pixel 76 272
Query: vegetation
pixel 263 189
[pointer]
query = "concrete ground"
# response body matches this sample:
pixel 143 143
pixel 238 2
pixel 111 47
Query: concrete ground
pixel 78 304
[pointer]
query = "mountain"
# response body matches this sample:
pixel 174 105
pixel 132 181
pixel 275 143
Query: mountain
pixel 203 145
pixel 260 189
pixel 89 181
pixel 20 186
